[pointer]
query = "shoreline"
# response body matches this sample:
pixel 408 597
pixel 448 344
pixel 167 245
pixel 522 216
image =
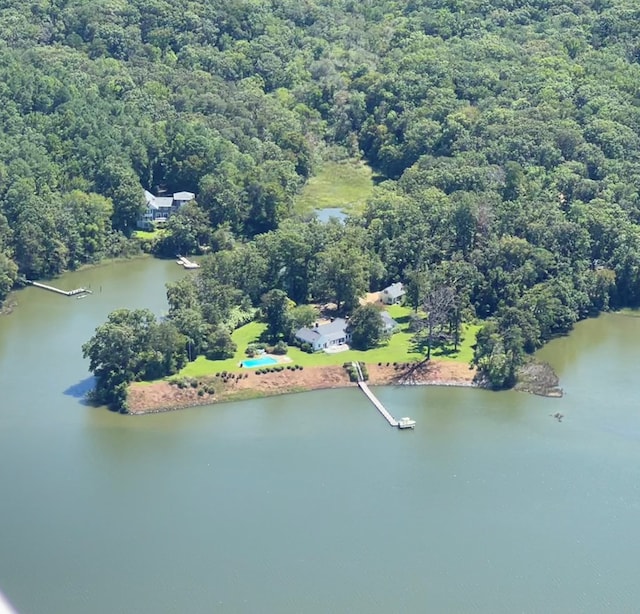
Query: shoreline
pixel 163 396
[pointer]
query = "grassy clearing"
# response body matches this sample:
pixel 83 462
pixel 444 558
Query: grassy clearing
pixel 338 184
pixel 399 349
pixel 149 234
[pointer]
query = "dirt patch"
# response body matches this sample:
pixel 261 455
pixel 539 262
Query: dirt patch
pixel 433 373
pixel 370 298
pixel 163 396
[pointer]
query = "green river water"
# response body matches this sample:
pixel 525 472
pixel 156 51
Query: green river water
pixel 312 503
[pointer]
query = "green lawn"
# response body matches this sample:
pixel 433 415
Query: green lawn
pixel 399 349
pixel 148 234
pixel 338 184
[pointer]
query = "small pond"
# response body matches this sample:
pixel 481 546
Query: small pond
pixel 324 215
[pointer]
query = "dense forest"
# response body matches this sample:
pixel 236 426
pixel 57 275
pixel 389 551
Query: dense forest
pixel 505 134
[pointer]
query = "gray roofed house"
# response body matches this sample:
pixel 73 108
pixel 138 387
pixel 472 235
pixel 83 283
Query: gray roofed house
pixel 161 208
pixel 323 336
pixel 392 294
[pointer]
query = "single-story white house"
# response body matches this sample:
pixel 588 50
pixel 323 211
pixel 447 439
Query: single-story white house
pixel 161 208
pixel 334 333
pixel 323 336
pixel 392 294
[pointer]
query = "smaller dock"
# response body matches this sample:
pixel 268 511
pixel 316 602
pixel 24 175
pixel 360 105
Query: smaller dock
pixel 76 292
pixel 403 423
pixel 186 263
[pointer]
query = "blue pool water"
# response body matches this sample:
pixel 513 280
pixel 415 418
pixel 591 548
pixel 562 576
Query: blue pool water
pixel 259 362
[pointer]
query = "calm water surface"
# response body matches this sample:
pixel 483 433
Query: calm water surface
pixel 311 503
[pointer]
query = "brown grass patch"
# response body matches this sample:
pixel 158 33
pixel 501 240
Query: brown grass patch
pixel 163 396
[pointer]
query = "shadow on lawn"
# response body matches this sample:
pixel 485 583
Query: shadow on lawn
pixel 439 348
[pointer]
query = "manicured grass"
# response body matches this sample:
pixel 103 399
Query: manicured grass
pixel 243 336
pixel 399 349
pixel 338 184
pixel 148 234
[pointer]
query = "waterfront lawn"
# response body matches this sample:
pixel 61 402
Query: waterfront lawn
pixel 243 336
pixel 346 185
pixel 400 348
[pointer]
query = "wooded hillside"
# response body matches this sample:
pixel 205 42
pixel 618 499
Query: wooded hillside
pixel 507 132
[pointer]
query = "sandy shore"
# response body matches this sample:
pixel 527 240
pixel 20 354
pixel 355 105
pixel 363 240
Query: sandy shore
pixel 163 396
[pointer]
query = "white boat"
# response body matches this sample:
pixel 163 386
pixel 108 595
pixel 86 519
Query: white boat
pixel 406 423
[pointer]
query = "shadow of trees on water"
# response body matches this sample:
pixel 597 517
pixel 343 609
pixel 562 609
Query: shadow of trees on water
pixel 81 390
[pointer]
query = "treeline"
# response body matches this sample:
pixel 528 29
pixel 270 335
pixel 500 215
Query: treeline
pixel 507 132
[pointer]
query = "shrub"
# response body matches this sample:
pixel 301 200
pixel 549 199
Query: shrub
pixel 201 392
pixel 220 345
pixel 280 348
pixel 306 347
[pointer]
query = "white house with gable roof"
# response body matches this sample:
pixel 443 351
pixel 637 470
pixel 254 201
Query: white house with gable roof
pixel 392 295
pixel 324 336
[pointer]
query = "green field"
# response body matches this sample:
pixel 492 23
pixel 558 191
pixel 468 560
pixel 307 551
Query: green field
pixel 338 184
pixel 150 234
pixel 399 349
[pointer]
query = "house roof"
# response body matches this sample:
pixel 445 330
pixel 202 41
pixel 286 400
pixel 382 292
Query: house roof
pixel 330 330
pixel 307 335
pixel 389 322
pixel 395 290
pixel 164 202
pixel 184 196
pixel 157 202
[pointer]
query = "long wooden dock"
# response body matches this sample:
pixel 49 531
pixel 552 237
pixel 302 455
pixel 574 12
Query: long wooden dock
pixel 403 423
pixel 379 406
pixel 75 292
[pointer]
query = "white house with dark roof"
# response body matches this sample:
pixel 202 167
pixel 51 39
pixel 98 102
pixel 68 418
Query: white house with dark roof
pixel 392 295
pixel 161 208
pixel 324 336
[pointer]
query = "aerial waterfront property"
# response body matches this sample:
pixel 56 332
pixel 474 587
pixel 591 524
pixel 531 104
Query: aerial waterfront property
pixel 426 212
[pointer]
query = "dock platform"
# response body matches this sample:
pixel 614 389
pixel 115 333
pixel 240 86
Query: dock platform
pixel 186 263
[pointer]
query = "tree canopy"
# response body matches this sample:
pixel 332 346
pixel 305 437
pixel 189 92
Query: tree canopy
pixel 504 136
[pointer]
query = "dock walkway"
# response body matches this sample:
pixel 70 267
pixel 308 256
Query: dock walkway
pixel 402 423
pixel 379 406
pixel 75 292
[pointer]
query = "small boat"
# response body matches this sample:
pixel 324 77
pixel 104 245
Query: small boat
pixel 406 423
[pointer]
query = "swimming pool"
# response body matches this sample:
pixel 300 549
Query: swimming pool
pixel 259 362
